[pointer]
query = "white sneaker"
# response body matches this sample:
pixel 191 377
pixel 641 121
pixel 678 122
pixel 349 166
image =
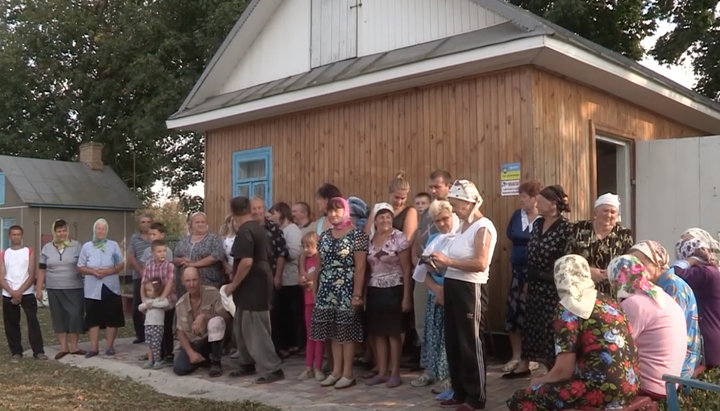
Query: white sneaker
pixel 306 374
pixel 319 375
pixel 330 380
pixel 344 383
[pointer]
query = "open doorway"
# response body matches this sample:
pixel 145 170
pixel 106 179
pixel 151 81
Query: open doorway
pixel 613 173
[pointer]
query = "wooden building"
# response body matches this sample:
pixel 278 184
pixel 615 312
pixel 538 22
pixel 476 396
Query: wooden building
pixel 307 91
pixel 35 192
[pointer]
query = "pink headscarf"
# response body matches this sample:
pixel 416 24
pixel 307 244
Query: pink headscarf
pixel 346 220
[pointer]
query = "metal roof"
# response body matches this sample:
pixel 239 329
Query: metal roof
pixel 521 24
pixel 66 184
pixel 354 67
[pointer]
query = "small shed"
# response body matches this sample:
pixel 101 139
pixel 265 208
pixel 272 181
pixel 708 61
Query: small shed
pixel 36 192
pixel 348 91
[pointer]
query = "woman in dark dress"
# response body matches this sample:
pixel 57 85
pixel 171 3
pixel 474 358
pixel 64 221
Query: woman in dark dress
pixel 518 232
pixel 597 362
pixel 601 239
pixel 548 242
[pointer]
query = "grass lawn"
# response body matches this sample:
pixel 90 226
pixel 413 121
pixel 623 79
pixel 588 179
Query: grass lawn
pixel 50 385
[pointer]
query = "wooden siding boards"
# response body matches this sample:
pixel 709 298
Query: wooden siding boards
pixel 468 126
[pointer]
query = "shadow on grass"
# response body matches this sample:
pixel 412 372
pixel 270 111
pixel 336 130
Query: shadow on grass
pixel 50 385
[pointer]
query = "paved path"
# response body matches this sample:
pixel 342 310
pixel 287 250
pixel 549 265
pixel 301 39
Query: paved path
pixel 290 393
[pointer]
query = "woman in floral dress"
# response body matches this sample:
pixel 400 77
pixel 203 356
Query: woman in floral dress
pixel 548 241
pixel 601 239
pixel 343 252
pixel 597 361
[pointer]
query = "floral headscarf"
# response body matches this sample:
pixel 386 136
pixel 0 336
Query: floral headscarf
pixel 100 243
pixel 699 245
pixel 60 245
pixel 628 276
pixel 575 286
pixel 654 251
pixel 346 221
pixel 466 190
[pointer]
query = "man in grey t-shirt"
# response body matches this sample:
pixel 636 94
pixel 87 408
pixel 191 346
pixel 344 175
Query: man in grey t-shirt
pixel 139 242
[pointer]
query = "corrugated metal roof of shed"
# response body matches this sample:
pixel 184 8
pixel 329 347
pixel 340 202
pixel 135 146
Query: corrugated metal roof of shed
pixel 54 183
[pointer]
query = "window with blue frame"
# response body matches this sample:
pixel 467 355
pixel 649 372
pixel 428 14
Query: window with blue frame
pixel 2 188
pixel 252 174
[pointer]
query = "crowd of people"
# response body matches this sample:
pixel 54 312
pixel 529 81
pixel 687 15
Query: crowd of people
pixel 607 316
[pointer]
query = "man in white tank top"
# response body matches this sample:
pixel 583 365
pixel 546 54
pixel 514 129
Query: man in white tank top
pixel 17 278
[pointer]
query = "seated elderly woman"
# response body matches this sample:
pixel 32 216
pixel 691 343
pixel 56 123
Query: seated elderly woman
pixel 200 326
pixel 657 321
pixel 655 258
pixel 597 361
pixel 702 252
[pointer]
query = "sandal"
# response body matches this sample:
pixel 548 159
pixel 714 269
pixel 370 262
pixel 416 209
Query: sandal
pixel 78 352
pixel 91 354
pixel 61 354
pixel 510 365
pixel 110 351
pixel 512 375
pixel 375 380
pixel 393 381
pixel 369 374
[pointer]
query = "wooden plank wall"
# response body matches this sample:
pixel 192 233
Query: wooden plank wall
pixel 563 114
pixel 469 127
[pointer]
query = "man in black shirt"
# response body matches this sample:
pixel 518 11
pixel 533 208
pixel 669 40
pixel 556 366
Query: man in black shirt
pixel 252 290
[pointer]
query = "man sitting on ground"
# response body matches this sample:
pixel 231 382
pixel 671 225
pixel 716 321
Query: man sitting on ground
pixel 200 326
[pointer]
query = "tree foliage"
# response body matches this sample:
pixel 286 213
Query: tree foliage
pixel 618 25
pixel 696 35
pixel 110 71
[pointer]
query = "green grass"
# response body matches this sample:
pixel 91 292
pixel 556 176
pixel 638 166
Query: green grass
pixel 50 385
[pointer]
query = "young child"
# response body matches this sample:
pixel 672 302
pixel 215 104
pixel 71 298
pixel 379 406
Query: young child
pixel 422 202
pixel 156 232
pixel 160 268
pixel 153 306
pixel 309 268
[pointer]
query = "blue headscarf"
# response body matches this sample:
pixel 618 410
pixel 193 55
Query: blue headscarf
pixel 358 211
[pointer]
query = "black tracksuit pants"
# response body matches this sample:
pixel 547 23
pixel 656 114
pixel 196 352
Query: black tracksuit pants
pixel 463 340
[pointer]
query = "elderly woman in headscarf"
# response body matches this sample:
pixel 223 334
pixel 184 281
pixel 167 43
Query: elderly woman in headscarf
pixel 597 361
pixel 601 239
pixel 59 272
pixel 702 253
pixel 657 323
pixel 467 263
pixel 343 252
pixel 201 249
pixel 100 261
pixel 548 241
pixel 655 259
pixel 433 356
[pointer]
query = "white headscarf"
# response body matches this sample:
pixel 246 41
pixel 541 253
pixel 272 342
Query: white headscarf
pixel 609 199
pixel 575 286
pixel 376 209
pixel 465 190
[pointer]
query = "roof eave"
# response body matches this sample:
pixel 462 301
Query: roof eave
pixel 82 207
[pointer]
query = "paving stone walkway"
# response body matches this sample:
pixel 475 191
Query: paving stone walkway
pixel 290 393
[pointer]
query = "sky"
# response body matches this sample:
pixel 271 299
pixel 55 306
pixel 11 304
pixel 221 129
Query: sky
pixel 681 74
